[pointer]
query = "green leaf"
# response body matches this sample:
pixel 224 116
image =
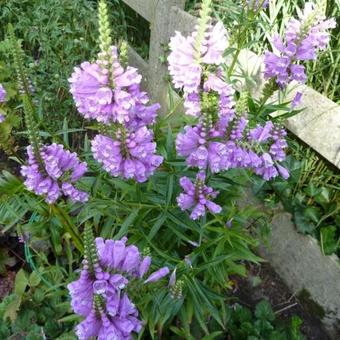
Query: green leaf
pixel 12 308
pixel 126 224
pixel 156 226
pixel 329 240
pixel 263 326
pixel 242 314
pixel 21 282
pixel 296 324
pixel 303 224
pixel 264 311
pixel 65 132
pixel 212 336
pixel 313 214
pixel 323 197
pixel 170 189
pixel 169 143
pixel 34 279
pixel 70 318
pixel 312 190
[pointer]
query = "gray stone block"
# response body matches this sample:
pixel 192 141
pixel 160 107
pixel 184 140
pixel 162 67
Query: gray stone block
pixel 298 260
pixel 318 124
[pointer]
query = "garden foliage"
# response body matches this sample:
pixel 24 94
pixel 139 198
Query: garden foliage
pixel 138 231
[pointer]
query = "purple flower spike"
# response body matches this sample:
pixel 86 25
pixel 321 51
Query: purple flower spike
pixel 303 39
pixel 159 274
pixel 61 170
pixel 198 197
pixel 111 100
pixel 99 293
pixel 184 64
pixel 132 155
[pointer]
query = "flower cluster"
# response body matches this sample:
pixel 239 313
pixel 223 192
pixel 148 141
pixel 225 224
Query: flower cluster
pixel 99 295
pixel 3 94
pixel 222 138
pixel 107 92
pixel 131 155
pixel 303 38
pixel 185 62
pixel 54 174
pixel 103 92
pixel 197 196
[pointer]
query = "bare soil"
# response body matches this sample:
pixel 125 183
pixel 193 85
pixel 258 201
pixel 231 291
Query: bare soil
pixel 285 304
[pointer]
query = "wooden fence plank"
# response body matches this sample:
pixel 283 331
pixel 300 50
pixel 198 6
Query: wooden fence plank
pixel 181 21
pixel 145 8
pixel 137 61
pixel 159 39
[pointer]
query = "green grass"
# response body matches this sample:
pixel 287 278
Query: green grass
pixel 57 35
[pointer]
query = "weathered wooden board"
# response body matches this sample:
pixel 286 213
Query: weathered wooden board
pixel 145 8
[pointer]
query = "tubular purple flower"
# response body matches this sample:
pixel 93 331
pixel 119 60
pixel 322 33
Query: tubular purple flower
pixel 159 274
pixel 214 45
pixel 61 170
pixel 261 133
pixel 81 294
pixel 284 173
pixel 267 169
pixel 3 94
pixel 144 266
pixel 297 99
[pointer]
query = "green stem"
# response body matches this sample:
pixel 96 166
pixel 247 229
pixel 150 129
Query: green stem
pixel 234 61
pixel 23 83
pixel 33 133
